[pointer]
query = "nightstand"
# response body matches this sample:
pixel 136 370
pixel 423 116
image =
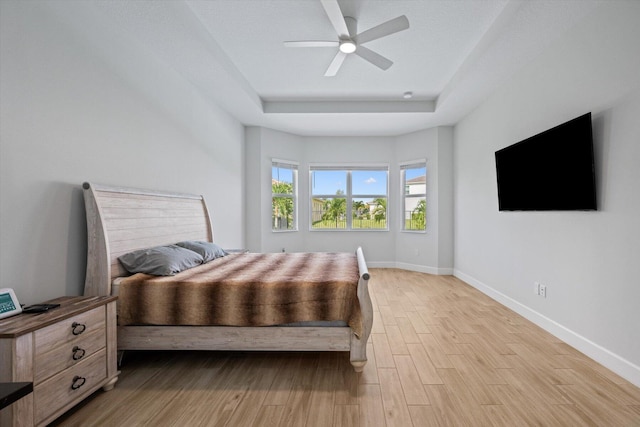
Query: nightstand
pixel 67 353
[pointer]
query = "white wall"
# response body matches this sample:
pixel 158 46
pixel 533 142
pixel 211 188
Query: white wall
pixel 587 260
pixel 429 252
pixel 80 102
pixel 445 200
pixel 263 145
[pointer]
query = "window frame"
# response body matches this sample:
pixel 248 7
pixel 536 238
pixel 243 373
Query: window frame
pixel 349 168
pixel 413 164
pixel 294 167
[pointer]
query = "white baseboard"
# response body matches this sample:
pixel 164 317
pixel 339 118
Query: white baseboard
pixel 610 360
pixel 411 267
pixel 424 269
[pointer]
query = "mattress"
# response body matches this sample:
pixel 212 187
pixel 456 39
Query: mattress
pixel 293 289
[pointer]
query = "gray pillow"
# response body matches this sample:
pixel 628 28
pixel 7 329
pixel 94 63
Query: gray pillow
pixel 209 251
pixel 160 260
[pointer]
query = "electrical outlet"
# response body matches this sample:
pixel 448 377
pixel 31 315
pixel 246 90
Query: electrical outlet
pixel 536 288
pixel 543 291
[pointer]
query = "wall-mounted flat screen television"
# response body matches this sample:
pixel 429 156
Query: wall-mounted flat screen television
pixel 551 171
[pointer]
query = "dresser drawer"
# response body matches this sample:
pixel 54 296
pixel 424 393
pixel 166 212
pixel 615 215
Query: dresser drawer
pixel 69 385
pixel 48 363
pixel 70 331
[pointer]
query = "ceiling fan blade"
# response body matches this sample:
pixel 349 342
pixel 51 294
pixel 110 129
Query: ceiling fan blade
pixel 375 58
pixel 335 64
pixel 393 26
pixel 335 16
pixel 311 43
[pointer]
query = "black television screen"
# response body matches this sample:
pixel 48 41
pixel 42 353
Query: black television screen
pixel 551 171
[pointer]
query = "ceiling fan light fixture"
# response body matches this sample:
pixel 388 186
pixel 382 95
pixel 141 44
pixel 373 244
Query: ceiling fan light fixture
pixel 347 46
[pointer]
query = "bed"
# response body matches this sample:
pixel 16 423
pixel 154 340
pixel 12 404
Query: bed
pixel 122 220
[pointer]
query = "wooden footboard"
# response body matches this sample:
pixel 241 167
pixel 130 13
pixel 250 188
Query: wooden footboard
pixel 359 344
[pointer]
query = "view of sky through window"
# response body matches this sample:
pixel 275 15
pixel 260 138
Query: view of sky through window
pixel 328 182
pixel 282 174
pixel 363 182
pixel 415 172
pixel 369 182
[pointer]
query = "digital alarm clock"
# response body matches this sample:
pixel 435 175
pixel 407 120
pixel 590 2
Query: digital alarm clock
pixel 9 305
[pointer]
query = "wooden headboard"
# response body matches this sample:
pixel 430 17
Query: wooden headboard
pixel 120 220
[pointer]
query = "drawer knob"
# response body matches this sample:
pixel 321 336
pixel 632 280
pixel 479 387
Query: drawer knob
pixel 77 328
pixel 78 382
pixel 78 353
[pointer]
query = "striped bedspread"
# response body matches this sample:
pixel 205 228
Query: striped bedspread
pixel 247 290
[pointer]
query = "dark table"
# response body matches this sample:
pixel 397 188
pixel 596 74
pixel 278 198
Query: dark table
pixel 10 392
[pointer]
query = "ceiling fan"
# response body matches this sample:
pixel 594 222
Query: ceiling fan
pixel 349 41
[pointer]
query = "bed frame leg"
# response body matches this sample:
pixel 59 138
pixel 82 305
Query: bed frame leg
pixel 358 365
pixel 120 357
pixel 358 353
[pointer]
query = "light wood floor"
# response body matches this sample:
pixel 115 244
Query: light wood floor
pixel 441 354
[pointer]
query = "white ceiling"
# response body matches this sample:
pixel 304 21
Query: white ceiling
pixel 453 56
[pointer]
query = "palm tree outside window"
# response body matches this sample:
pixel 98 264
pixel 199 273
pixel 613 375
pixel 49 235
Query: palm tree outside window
pixel 349 197
pixel 284 177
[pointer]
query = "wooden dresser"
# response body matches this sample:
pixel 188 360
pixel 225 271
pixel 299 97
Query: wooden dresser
pixel 68 353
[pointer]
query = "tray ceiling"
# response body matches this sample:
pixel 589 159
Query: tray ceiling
pixel 453 56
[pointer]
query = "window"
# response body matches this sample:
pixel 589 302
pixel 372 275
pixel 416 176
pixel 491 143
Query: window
pixel 284 189
pixel 349 197
pixel 414 195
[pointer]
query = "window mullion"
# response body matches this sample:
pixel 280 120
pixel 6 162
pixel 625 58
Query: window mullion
pixel 349 202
